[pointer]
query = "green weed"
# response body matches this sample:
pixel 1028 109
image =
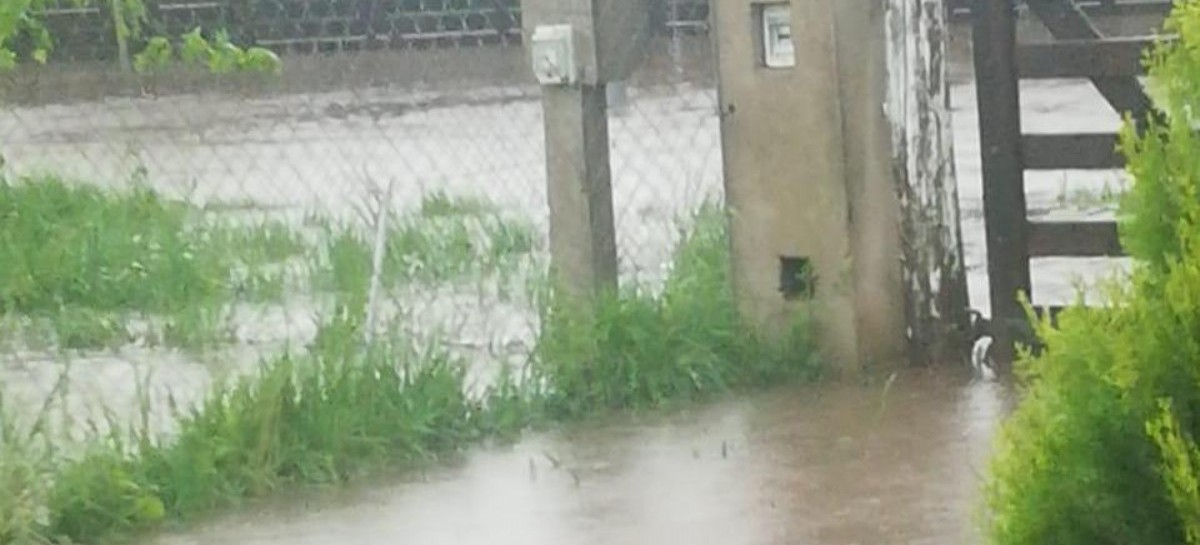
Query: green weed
pixel 85 259
pixel 315 419
pixel 344 409
pixel 636 350
pixel 448 239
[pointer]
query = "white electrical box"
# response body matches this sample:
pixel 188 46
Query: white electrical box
pixel 553 51
pixel 778 50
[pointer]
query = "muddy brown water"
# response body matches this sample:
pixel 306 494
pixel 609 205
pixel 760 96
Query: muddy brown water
pixel 837 465
pixel 851 464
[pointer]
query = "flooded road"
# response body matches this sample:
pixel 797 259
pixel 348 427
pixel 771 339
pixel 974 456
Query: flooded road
pixel 845 465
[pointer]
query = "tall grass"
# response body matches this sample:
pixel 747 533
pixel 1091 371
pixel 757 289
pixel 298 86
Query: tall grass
pixel 342 409
pixel 316 418
pixel 637 349
pixel 85 259
pixel 447 239
pixel 23 472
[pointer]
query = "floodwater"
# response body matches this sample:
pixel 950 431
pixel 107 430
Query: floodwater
pixel 843 465
pixel 848 465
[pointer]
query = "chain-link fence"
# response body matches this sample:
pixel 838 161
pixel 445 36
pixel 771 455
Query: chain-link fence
pixel 426 106
pixel 84 32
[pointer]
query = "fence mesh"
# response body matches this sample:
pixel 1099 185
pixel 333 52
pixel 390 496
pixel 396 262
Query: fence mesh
pixel 425 106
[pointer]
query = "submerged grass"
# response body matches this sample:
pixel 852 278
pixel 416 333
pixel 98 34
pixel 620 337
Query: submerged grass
pixel 448 238
pixel 82 262
pixel 343 409
pixel 336 413
pixel 85 259
pixel 312 419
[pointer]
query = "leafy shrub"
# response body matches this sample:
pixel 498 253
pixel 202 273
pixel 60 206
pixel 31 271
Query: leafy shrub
pixel 1103 447
pixel 217 56
pixel 22 33
pixel 18 27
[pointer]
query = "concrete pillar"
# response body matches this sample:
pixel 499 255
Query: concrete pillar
pixel 618 98
pixel 583 243
pixel 607 37
pixel 819 171
pixel 876 214
pixel 785 175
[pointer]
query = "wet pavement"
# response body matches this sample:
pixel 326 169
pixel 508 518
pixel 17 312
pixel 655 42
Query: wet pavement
pixel 843 465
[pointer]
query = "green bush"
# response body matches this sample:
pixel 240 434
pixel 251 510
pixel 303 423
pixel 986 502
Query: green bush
pixel 1103 447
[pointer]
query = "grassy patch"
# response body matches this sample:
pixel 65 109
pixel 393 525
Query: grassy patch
pixel 638 350
pixel 66 245
pixel 313 419
pixel 84 259
pixel 342 410
pixel 445 240
pixel 453 237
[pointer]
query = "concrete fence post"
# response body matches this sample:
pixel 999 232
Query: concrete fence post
pixel 577 48
pixel 839 174
pixel 583 241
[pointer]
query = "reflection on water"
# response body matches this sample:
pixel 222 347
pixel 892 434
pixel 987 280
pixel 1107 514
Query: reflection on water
pixel 839 465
